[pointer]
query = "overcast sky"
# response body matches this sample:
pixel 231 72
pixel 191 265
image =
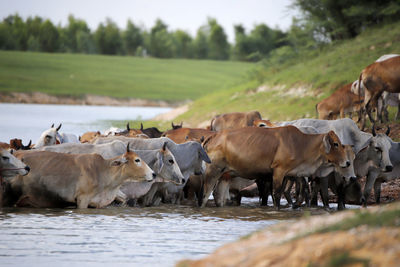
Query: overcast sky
pixel 187 15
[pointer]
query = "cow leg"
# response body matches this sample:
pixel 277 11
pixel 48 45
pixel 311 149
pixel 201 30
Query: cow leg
pixel 304 192
pixel 82 202
pixel 220 191
pixel 287 190
pixel 371 178
pixel 213 174
pixel 377 191
pixel 324 192
pixel 315 187
pixel 340 192
pixel 278 183
pixel 262 185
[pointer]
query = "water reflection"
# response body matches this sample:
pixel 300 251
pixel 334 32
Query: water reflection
pixel 153 236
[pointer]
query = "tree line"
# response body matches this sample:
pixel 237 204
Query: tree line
pixel 319 22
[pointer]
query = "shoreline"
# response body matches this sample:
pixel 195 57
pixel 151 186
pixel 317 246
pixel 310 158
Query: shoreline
pixel 90 100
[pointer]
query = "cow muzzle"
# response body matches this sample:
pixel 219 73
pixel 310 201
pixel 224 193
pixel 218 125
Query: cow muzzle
pixel 388 168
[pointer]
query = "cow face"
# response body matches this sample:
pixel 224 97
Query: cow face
pixel 133 168
pixel 168 168
pixel 348 173
pixel 49 137
pixel 335 152
pixel 379 148
pixel 10 165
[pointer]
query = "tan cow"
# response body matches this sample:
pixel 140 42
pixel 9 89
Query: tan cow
pixel 254 152
pixel 234 120
pixel 89 136
pixel 378 77
pixel 182 135
pixel 87 180
pixel 343 101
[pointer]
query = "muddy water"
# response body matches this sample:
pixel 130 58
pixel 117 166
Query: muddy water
pixel 119 236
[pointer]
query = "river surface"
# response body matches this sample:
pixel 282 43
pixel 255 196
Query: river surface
pixel 28 121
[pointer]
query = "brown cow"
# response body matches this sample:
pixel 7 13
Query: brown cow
pixel 89 136
pixel 378 77
pixel 234 120
pixel 254 152
pixel 129 132
pixel 182 135
pixel 59 179
pixel 343 101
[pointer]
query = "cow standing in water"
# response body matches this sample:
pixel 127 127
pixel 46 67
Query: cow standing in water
pixel 254 152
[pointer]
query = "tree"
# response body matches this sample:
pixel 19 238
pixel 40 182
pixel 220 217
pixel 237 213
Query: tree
pixel 161 42
pixel 217 41
pixel 200 44
pixel 132 38
pixel 75 28
pixel 183 47
pixel 108 38
pixel 48 37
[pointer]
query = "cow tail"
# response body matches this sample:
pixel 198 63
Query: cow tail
pixel 360 112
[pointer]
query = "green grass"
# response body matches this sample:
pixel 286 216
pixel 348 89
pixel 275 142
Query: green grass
pixel 320 71
pixel 115 76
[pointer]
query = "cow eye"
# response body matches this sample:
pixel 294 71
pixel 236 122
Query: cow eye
pixel 137 160
pixel 378 149
pixel 171 161
pixel 335 144
pixel 48 136
pixel 5 158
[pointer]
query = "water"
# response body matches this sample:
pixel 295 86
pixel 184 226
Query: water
pixel 118 236
pixel 28 121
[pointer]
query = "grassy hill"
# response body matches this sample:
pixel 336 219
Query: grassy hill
pixel 292 89
pixel 115 76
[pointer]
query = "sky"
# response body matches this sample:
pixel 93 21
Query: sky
pixel 186 15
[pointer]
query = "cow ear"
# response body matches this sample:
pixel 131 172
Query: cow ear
pixel 204 156
pixel 327 143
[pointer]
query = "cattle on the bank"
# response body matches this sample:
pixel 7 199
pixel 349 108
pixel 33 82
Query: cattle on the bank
pixel 234 120
pixel 183 135
pixel 378 77
pixel 343 101
pixel 84 180
pixel 254 152
pixel 48 137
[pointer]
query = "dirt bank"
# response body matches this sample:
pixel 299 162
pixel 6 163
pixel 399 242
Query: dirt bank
pixel 42 98
pixel 370 237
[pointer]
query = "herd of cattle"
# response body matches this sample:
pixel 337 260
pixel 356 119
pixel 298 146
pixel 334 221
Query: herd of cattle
pixel 239 154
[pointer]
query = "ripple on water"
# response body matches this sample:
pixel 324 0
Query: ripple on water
pixel 125 236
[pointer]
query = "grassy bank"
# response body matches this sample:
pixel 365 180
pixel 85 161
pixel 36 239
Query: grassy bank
pixel 115 76
pixel 291 90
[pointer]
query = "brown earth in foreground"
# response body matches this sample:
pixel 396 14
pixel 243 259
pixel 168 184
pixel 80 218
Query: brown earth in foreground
pixel 318 241
pixel 42 98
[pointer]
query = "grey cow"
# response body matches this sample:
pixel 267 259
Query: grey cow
pixel 374 157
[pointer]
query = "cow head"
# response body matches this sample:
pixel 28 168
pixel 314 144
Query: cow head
pixel 133 168
pixel 338 155
pixel 48 137
pixel 176 126
pixel 380 145
pixel 348 173
pixel 10 165
pixel 167 166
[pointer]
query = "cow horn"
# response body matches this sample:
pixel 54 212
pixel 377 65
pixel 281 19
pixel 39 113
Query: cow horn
pixel 181 123
pixel 127 147
pixel 127 126
pixel 141 126
pixel 58 128
pixel 29 144
pixel 52 126
pixel 388 130
pixel 373 130
pixel 172 124
pixel 202 139
pixel 164 146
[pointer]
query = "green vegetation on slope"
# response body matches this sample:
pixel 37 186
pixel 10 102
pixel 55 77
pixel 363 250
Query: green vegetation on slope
pixel 290 90
pixel 145 78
